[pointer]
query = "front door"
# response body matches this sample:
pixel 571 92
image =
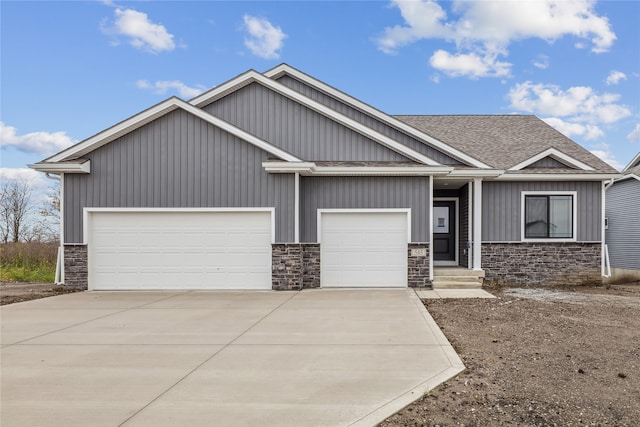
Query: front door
pixel 444 231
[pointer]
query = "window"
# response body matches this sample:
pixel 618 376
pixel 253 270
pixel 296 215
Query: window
pixel 549 216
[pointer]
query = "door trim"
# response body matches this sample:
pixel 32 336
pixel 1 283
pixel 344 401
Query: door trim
pixel 456 261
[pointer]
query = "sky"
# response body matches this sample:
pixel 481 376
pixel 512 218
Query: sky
pixel 69 70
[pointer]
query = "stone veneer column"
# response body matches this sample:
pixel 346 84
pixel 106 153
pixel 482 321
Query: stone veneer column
pixel 76 273
pixel 541 264
pixel 310 265
pixel 286 266
pixel 418 265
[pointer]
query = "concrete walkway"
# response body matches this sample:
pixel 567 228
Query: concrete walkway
pixel 310 358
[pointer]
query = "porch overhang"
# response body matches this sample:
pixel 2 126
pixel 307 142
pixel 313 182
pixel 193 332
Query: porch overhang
pixel 355 169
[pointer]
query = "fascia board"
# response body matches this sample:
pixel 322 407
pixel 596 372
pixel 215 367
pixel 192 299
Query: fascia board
pixel 476 173
pixel 632 163
pixel 310 168
pixel 158 111
pixel 552 152
pixel 253 76
pixel 323 87
pixel 66 167
pixel 558 177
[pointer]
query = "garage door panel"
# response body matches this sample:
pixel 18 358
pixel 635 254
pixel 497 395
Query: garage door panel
pixel 364 249
pixel 180 250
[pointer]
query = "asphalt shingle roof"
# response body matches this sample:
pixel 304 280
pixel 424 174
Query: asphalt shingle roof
pixel 502 141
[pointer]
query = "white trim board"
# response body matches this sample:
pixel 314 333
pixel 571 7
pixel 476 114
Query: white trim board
pixel 556 155
pixel 574 218
pixel 158 111
pixel 281 69
pixel 632 163
pixel 255 77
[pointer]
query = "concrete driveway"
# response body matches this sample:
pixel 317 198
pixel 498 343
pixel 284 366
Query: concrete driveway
pixel 309 358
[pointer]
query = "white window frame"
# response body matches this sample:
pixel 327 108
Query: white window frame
pixel 574 219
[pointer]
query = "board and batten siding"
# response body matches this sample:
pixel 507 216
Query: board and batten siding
pixel 295 128
pixel 366 120
pixel 501 208
pixel 364 193
pixel 623 235
pixel 178 161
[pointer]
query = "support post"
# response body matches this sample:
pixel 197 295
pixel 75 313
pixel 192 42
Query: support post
pixel 477 223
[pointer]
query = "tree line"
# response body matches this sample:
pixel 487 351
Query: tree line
pixel 23 219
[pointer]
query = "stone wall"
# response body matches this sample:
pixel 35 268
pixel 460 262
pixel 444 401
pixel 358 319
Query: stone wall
pixel 295 266
pixel 310 265
pixel 286 266
pixel 418 266
pixel 541 264
pixel 76 273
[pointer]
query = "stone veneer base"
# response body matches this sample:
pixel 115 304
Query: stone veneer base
pixel 76 272
pixel 418 266
pixel 542 264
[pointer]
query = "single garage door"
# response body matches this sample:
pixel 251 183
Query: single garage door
pixel 363 249
pixel 179 249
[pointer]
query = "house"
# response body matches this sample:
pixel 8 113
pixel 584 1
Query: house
pixel 277 180
pixel 623 223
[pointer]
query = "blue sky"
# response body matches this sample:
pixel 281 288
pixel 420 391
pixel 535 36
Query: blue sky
pixel 71 69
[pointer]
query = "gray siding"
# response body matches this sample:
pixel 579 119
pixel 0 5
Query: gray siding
pixel 501 208
pixel 548 162
pixel 463 238
pixel 623 235
pixel 295 128
pixel 367 120
pixel 179 161
pixel 364 192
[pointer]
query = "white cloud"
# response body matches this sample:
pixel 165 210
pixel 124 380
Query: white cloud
pixel 603 151
pixel 265 40
pixel 576 104
pixel 615 77
pixel 542 62
pixel 485 29
pixel 141 32
pixel 634 135
pixel 161 87
pixel 589 132
pixel 43 143
pixel 471 65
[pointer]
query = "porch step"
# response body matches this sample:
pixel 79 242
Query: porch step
pixel 457 278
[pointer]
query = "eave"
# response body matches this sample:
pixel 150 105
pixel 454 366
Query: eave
pixel 81 166
pixel 312 169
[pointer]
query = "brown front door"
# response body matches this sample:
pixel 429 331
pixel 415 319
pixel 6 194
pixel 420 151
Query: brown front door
pixel 444 230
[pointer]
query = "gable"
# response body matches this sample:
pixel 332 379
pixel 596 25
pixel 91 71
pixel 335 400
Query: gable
pixel 296 128
pixel 548 163
pixel 366 119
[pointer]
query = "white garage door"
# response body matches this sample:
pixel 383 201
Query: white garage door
pixel 182 249
pixel 363 249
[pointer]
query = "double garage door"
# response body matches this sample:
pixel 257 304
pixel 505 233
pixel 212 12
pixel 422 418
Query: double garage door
pixel 205 249
pixel 179 249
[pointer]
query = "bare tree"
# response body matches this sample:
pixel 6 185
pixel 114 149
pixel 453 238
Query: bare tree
pixel 15 208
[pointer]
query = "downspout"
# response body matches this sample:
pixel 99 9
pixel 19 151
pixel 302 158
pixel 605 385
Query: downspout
pixel 605 269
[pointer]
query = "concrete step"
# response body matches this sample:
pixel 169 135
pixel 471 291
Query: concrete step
pixel 436 284
pixel 471 279
pixel 453 271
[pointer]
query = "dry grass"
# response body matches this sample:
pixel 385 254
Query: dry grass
pixel 28 262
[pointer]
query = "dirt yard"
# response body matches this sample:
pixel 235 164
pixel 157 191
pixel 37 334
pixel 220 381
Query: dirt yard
pixel 538 357
pixel 18 291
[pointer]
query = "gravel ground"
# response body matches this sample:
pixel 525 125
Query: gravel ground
pixel 20 291
pixel 538 357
